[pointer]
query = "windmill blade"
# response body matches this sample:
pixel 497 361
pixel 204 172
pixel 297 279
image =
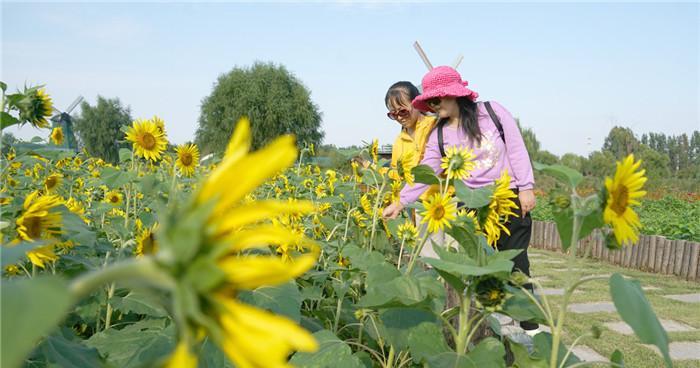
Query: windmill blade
pixel 74 104
pixel 458 61
pixel 422 55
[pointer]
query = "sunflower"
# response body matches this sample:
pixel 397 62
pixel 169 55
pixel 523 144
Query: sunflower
pixel 499 209
pixel 39 220
pixel 307 183
pixel 147 139
pixel 374 150
pixel 321 190
pixel 623 191
pixel 407 232
pixel 40 108
pixel 366 204
pixel 491 293
pixel 332 178
pixel 396 187
pixel 77 208
pixel 114 198
pixel 159 123
pixel 458 162
pixel 187 159
pixel 146 241
pixel 439 211
pixel 57 136
pixel 52 182
pixel 355 171
pixel 235 238
pixel 404 166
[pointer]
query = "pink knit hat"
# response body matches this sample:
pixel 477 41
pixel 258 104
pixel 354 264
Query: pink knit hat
pixel 442 81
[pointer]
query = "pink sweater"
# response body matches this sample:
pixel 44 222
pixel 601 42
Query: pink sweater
pixel 492 156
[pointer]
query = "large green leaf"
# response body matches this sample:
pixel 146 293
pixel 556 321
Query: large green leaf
pixel 398 322
pixel 473 198
pixel 489 353
pixel 66 350
pixel 565 222
pixel 426 340
pixel 543 347
pixel 282 299
pixel 522 359
pixel 466 270
pixel 521 307
pixel 31 308
pixel 137 345
pixel 12 255
pixel 635 310
pixel 140 302
pixel 425 174
pixel 401 291
pixel 332 353
pixel 563 173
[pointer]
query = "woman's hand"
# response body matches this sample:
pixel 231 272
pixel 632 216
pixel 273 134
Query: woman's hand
pixel 393 210
pixel 527 201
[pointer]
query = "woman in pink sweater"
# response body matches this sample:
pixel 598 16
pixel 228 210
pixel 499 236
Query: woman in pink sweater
pixel 496 142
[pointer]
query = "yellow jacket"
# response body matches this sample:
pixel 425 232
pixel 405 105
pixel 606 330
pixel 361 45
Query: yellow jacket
pixel 405 144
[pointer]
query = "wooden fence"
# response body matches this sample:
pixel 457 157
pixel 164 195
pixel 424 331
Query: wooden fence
pixel 652 254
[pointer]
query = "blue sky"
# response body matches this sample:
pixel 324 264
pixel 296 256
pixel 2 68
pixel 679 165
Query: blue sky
pixel 570 71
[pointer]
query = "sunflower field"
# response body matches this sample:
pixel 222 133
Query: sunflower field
pixel 263 259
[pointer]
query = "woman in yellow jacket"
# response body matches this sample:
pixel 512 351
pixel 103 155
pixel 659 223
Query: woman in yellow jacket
pixel 415 127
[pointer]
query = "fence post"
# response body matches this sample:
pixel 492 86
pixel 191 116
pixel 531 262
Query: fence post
pixel 680 248
pixel 694 260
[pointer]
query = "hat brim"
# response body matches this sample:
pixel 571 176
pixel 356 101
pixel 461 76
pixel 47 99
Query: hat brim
pixel 454 90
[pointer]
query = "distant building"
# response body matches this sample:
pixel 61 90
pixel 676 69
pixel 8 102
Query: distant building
pixel 385 151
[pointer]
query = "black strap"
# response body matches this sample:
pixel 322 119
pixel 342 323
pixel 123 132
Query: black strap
pixel 496 121
pixel 494 118
pixel 441 141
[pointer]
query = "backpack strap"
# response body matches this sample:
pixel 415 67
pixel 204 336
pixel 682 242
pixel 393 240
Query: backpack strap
pixel 441 140
pixel 496 120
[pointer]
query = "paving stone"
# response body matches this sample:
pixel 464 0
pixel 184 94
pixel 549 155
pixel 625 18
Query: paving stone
pixel 587 354
pixel 548 261
pixel 503 319
pixel 669 326
pixel 546 291
pixel 682 350
pixel 592 307
pixel 688 298
pixel 542 279
pixel 650 288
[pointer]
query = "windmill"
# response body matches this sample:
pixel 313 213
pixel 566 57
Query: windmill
pixel 427 63
pixel 63 119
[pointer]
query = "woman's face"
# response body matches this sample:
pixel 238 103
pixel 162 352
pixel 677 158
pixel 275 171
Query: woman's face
pixel 404 114
pixel 445 107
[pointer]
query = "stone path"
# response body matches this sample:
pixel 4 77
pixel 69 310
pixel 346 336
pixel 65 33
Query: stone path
pixel 668 325
pixel 688 298
pixel 587 354
pixel 592 307
pixel 683 350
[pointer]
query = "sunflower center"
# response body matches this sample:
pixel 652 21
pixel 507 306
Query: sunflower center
pixel 186 159
pixel 33 225
pixel 620 200
pixel 148 141
pixel 51 182
pixel 494 295
pixel 114 199
pixel 438 212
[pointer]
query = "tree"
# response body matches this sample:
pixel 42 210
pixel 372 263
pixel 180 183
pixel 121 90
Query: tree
pixel 600 164
pixel 620 142
pixel 655 163
pixel 531 143
pixel 98 127
pixel 545 157
pixel 573 161
pixel 274 100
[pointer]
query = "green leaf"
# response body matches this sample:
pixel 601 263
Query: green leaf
pixel 140 302
pixel 617 358
pixel 473 198
pixel 283 299
pixel 332 352
pixel 136 345
pixel 31 308
pixel 521 308
pixel 125 154
pixel 425 174
pixel 115 178
pixel 398 322
pixel 543 345
pixel 565 221
pixel 76 229
pixel 12 255
pixel 524 360
pixel 489 353
pixel 66 350
pixel 7 120
pixel 426 340
pixel 401 291
pixel 635 310
pixel 563 173
pixel 458 269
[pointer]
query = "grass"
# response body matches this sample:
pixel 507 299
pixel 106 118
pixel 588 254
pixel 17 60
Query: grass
pixel 635 354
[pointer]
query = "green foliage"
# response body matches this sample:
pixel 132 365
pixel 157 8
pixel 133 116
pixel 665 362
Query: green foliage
pixel 274 100
pixel 98 127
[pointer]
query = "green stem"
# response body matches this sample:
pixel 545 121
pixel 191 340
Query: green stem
pixel 464 323
pixel 375 213
pixel 390 360
pixel 416 253
pixel 573 344
pixel 142 269
pixel 337 315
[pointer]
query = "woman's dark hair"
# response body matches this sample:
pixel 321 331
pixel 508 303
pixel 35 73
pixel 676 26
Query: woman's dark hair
pixel 399 91
pixel 469 119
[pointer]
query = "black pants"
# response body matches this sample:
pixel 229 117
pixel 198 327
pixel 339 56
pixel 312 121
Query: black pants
pixel 520 231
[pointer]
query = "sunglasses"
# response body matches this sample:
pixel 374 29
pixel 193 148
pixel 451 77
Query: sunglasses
pixel 400 113
pixel 433 102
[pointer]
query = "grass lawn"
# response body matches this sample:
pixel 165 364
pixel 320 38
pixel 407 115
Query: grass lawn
pixel 557 276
